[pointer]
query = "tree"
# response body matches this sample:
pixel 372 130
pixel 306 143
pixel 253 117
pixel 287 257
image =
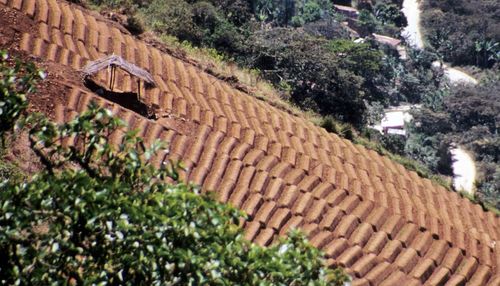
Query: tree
pixel 390 14
pixel 367 22
pixel 317 77
pixel 104 214
pixel 361 58
pixel 291 12
pixel 487 51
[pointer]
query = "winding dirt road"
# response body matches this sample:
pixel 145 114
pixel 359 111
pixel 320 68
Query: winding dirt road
pixel 464 169
pixel 413 34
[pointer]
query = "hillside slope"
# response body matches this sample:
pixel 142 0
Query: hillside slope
pixel 381 222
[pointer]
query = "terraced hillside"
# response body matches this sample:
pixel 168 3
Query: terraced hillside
pixel 384 224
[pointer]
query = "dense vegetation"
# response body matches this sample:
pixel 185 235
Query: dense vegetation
pixel 464 32
pixel 102 214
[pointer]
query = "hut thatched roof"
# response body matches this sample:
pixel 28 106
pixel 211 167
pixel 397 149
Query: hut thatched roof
pixel 114 60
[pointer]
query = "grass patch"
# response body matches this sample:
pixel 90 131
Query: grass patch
pixel 491 208
pixel 218 64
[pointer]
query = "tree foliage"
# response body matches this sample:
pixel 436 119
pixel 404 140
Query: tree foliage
pixel 333 77
pixel 390 14
pixel 464 32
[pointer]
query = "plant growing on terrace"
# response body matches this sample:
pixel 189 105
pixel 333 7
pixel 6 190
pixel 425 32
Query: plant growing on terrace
pixel 17 79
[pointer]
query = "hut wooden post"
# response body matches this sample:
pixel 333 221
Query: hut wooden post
pixel 110 76
pixel 113 77
pixel 138 88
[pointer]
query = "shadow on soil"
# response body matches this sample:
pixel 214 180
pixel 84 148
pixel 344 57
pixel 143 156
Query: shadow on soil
pixel 128 100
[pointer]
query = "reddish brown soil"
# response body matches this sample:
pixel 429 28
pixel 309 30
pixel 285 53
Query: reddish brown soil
pixel 381 222
pixel 50 91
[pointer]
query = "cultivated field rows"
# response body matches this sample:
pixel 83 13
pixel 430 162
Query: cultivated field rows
pixel 369 214
pixel 370 240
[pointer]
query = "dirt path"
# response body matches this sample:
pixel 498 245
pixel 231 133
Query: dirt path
pixel 464 171
pixel 458 76
pixel 413 34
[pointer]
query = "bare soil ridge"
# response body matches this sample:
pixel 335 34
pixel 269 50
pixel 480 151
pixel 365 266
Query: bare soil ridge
pixel 382 223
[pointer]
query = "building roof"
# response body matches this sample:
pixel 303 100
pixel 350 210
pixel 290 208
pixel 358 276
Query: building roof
pixel 396 131
pixel 383 223
pixel 386 40
pixel 395 119
pixel 346 8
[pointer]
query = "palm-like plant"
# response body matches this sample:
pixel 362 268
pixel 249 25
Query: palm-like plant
pixel 487 51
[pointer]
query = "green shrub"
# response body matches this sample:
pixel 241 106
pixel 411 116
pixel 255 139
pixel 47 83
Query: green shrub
pixel 9 170
pixel 394 143
pixel 390 14
pixel 135 25
pixel 333 126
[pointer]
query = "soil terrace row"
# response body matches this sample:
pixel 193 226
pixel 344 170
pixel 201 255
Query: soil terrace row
pixel 369 214
pixel 373 243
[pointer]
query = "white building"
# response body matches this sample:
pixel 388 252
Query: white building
pixel 394 120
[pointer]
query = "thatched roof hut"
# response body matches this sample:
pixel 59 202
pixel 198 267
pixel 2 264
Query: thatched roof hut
pixel 117 61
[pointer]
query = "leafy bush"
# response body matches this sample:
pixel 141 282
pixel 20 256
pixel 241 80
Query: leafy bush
pixel 489 183
pixel 9 170
pixel 394 143
pixel 310 11
pixel 390 14
pixel 135 25
pixel 367 22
